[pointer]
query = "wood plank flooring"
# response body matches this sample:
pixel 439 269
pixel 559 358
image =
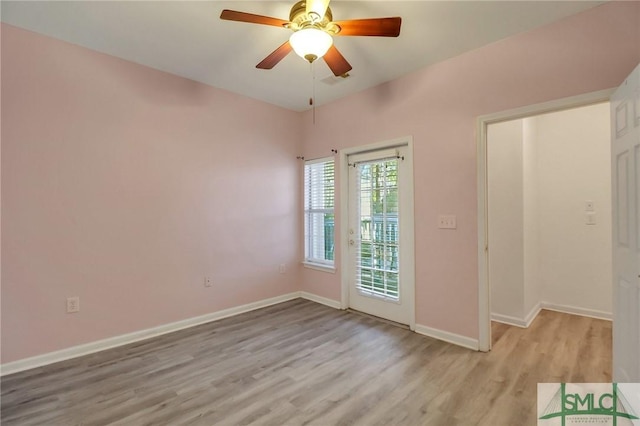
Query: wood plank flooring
pixel 301 363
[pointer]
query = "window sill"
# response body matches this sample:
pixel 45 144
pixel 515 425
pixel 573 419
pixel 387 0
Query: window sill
pixel 319 267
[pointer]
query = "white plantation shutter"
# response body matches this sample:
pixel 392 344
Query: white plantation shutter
pixel 319 184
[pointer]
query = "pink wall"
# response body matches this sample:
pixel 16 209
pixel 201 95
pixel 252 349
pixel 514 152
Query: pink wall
pixel 439 106
pixel 126 186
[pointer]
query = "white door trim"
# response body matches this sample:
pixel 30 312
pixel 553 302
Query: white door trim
pixel 408 245
pixel 484 299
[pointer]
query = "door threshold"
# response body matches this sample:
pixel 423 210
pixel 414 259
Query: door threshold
pixel 397 324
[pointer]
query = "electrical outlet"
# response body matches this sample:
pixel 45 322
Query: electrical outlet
pixel 447 222
pixel 282 268
pixel 208 282
pixel 73 304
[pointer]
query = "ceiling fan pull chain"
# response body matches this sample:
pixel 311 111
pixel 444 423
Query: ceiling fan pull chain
pixel 313 91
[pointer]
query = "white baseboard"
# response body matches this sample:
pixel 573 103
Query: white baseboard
pixel 567 309
pixel 509 320
pixel 322 300
pixel 518 322
pixel 124 339
pixel 448 337
pixel 532 314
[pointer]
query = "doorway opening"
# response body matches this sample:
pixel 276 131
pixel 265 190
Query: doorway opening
pixel 549 215
pixel 521 231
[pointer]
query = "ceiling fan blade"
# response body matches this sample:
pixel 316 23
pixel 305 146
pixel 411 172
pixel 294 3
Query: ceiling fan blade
pixel 380 27
pixel 275 56
pixel 336 61
pixel 318 7
pixel 233 15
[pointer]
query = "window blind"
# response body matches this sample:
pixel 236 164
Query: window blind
pixel 377 258
pixel 319 216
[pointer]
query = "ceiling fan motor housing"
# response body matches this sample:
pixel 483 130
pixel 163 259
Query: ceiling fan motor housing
pixel 299 19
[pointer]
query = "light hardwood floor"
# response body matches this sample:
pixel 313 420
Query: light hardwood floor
pixel 303 363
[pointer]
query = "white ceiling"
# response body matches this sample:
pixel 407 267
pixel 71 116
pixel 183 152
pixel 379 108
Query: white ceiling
pixel 188 39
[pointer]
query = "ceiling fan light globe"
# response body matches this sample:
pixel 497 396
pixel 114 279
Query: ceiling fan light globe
pixel 310 43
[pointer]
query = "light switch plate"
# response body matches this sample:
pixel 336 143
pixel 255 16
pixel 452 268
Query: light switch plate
pixel 590 218
pixel 447 222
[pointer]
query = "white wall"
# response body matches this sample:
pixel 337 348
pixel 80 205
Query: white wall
pixel 574 166
pixel 531 219
pixel 506 238
pixel 542 170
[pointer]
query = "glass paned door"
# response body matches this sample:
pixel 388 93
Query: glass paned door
pixel 380 276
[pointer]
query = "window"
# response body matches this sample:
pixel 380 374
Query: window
pixel 319 215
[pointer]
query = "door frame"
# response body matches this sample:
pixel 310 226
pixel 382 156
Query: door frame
pixel 408 243
pixel 484 289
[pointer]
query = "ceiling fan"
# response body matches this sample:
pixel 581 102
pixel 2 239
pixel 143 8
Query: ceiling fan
pixel 313 29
